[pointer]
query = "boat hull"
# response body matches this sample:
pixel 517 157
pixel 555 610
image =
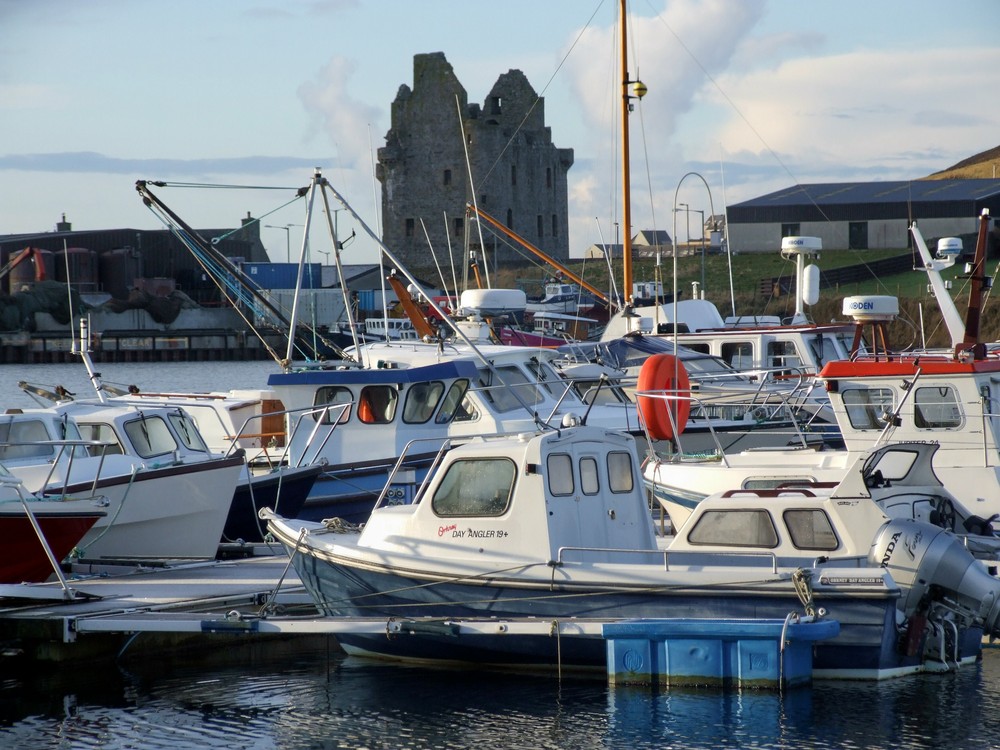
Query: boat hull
pixel 866 648
pixel 168 512
pixel 24 558
pixel 350 492
pixel 283 491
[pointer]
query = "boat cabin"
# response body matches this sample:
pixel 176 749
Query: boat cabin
pixel 919 397
pixel 571 492
pixel 393 329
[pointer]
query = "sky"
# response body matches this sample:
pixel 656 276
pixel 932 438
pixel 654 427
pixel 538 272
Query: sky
pixel 744 97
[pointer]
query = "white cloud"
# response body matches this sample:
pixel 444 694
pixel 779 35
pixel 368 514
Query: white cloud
pixel 342 119
pixel 904 111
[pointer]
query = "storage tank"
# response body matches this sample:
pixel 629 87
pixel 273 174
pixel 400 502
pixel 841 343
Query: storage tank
pixel 118 271
pixel 81 265
pixel 39 265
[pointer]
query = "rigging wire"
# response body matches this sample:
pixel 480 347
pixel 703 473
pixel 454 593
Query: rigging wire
pixel 746 120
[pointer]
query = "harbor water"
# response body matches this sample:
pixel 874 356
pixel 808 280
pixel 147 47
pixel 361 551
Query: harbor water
pixel 305 693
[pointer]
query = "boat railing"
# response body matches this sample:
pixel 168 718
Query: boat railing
pixel 237 439
pixel 328 415
pixel 773 413
pixel 753 556
pixel 68 453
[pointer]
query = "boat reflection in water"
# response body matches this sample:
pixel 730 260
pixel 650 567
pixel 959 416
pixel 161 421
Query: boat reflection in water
pixel 296 696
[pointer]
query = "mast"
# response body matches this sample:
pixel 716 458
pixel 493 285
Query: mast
pixel 626 197
pixel 638 91
pixel 976 273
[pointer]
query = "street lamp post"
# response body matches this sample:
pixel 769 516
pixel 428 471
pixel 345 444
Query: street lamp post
pixel 687 218
pixel 288 238
pixel 701 213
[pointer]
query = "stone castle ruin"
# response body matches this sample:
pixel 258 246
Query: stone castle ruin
pixel 518 175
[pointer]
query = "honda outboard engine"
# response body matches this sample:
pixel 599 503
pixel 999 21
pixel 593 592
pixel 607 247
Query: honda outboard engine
pixel 925 559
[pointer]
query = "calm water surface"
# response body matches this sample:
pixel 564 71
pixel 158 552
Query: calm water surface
pixel 149 376
pixel 300 695
pixel 289 697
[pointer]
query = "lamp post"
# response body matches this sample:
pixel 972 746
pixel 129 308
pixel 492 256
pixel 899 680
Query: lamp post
pixel 712 207
pixel 701 213
pixel 288 238
pixel 687 218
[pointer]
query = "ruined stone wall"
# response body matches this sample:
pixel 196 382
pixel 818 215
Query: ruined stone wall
pixel 520 177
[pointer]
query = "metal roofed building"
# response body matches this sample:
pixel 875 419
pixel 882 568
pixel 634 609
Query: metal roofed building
pixel 862 215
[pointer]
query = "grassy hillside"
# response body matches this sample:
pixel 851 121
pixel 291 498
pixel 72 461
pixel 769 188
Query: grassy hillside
pixel 985 165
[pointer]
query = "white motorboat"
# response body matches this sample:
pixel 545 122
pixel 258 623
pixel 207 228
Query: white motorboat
pixel 554 526
pixel 165 496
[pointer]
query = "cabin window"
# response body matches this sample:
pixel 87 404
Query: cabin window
pixel 867 408
pixel 590 481
pixel 104 433
pixel 770 483
pixel 892 466
pixel 28 431
pixel 824 349
pixel 150 436
pixel 739 354
pixel 546 376
pixel 810 529
pixel 377 404
pixel 329 395
pixel 475 487
pixel 187 430
pixel 421 401
pixel 501 394
pixel 453 405
pixel 739 528
pixel 701 348
pixel 936 407
pixel 781 355
pixel 620 475
pixel 601 393
pixel 559 468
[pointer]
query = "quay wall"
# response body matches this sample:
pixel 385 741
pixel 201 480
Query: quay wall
pixel 133 336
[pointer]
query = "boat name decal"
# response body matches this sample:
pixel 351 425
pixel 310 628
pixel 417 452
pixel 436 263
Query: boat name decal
pixel 470 533
pixel 865 581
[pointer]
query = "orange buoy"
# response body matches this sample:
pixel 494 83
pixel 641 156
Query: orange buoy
pixel 664 418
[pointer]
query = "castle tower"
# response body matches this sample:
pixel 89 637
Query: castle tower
pixel 519 175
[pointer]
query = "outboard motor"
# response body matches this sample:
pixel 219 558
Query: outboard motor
pixel 925 559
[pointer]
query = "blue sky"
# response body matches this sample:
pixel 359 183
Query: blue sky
pixel 754 95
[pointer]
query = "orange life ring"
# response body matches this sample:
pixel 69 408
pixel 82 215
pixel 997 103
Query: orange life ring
pixel 664 372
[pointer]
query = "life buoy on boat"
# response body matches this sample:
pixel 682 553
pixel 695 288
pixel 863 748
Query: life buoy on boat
pixel 664 372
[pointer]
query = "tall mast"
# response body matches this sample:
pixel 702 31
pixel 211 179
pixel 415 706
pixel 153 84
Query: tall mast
pixel 626 197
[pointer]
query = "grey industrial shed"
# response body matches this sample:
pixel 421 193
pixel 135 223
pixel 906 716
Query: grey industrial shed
pixel 862 215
